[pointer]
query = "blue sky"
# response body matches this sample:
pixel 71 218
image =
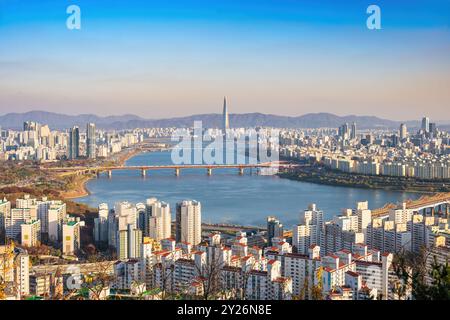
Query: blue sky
pixel 171 58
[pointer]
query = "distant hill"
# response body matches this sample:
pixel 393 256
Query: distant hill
pixel 128 121
pixel 60 121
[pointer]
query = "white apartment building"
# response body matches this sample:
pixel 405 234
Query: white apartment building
pixel 31 233
pixel 439 253
pixel 300 268
pixel 334 268
pixel 159 219
pixel 419 225
pixel 22 273
pixel 364 217
pixel 376 273
pixel 310 231
pixel 269 285
pixel 188 222
pixel 56 215
pixel 101 224
pixel 5 211
pixel 15 271
pixel 14 221
pixel 186 271
pixel 126 214
pixel 71 235
pixel 127 273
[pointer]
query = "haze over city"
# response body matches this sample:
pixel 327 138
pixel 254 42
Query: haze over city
pixel 161 59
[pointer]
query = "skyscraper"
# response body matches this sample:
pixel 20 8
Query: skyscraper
pixel 90 140
pixel 226 123
pixel 74 143
pixel 403 131
pixel 353 131
pixel 433 128
pixel 189 222
pixel 344 131
pixel 426 124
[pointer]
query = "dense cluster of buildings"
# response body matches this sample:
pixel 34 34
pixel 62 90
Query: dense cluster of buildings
pixel 35 221
pixel 347 258
pixel 423 155
pixel 37 142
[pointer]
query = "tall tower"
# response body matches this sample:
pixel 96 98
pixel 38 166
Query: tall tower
pixel 403 131
pixel 226 123
pixel 353 131
pixel 74 143
pixel 90 140
pixel 426 124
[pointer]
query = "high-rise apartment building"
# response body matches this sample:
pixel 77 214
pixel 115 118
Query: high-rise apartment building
pixel 71 234
pixel 14 221
pixel 15 271
pixel 56 215
pixel 188 222
pixel 101 224
pixel 364 217
pixel 31 233
pixel 5 210
pixel 134 243
pixel 122 244
pixel 157 221
pixel 310 231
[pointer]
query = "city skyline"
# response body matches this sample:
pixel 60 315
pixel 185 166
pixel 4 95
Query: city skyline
pixel 294 58
pixel 255 152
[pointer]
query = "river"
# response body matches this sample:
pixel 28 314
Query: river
pixel 227 197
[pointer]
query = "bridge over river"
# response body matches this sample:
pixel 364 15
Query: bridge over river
pixel 78 170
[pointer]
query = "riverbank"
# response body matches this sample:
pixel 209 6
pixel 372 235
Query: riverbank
pixel 321 175
pixel 76 187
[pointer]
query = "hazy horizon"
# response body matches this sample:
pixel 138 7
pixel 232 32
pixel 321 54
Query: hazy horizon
pixel 443 121
pixel 171 59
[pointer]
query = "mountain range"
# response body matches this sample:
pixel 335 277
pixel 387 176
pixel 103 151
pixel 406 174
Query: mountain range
pixel 129 121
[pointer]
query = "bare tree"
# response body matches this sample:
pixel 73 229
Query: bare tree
pixel 100 278
pixel 209 276
pixel 165 275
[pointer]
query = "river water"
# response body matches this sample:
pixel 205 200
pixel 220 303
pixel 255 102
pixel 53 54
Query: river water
pixel 227 197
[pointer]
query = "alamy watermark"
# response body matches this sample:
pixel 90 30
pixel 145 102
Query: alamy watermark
pixel 74 280
pixel 73 22
pixel 197 146
pixel 374 20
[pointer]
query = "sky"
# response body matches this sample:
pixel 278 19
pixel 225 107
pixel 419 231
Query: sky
pixel 167 58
